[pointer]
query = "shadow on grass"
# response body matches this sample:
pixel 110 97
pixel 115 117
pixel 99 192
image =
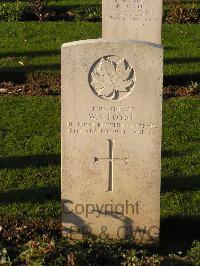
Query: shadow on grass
pixel 181 79
pixel 12 1
pixel 170 153
pixel 33 195
pixel 56 6
pixel 19 74
pixel 30 53
pixel 178 232
pixel 29 161
pixel 31 68
pixel 182 60
pixel 180 183
pixel 64 8
pixel 169 48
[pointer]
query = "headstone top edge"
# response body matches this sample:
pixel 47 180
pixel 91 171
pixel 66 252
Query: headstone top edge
pixel 111 40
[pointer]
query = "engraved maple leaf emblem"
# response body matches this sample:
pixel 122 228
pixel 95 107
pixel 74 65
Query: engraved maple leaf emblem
pixel 112 78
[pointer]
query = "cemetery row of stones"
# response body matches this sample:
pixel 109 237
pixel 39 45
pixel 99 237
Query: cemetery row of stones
pixel 178 12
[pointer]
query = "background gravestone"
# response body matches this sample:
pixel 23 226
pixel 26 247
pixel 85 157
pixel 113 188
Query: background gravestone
pixel 111 139
pixel 132 19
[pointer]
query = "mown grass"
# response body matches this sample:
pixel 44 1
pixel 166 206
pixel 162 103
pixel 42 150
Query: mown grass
pixel 72 3
pixel 31 47
pixel 181 55
pixel 62 2
pixel 30 164
pixel 90 2
pixel 34 47
pixel 180 198
pixel 29 157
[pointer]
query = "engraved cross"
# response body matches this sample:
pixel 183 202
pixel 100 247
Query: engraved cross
pixel 111 160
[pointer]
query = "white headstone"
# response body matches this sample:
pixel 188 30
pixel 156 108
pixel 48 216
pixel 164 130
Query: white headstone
pixel 111 139
pixel 132 19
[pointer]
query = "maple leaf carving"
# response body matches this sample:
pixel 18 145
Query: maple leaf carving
pixel 112 79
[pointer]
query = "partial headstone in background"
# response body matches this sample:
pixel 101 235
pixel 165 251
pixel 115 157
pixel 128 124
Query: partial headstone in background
pixel 132 19
pixel 111 139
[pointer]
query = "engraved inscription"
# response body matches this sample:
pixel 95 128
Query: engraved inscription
pixel 135 128
pixel 111 160
pixel 112 78
pixel 112 120
pixel 131 10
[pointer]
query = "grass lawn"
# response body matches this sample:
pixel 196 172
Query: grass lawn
pixel 87 2
pixel 63 2
pixel 37 45
pixel 34 47
pixel 182 53
pixel 72 3
pixel 30 164
pixel 30 129
pixel 29 157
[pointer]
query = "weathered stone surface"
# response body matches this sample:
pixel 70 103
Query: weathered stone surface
pixel 132 19
pixel 111 139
